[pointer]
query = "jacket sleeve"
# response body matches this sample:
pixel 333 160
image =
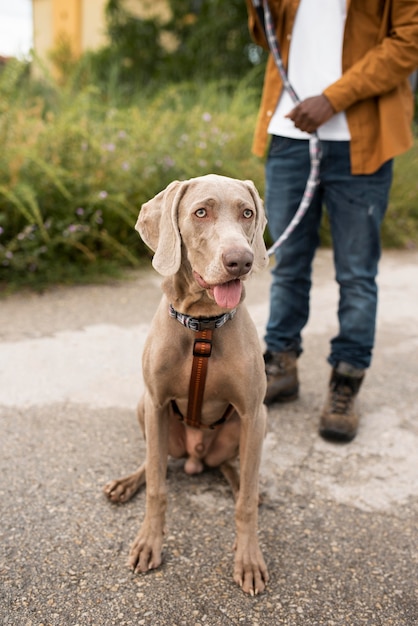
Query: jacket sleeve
pixel 383 66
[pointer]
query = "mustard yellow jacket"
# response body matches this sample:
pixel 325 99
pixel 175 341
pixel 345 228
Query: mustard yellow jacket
pixel 380 51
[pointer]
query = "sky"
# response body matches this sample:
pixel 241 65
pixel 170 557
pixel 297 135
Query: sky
pixel 15 27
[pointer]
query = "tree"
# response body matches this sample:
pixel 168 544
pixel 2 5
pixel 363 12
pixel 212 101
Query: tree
pixel 209 40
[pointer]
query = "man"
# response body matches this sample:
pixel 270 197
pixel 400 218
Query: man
pixel 349 63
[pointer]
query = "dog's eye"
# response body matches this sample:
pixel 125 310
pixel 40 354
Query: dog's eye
pixel 200 213
pixel 248 213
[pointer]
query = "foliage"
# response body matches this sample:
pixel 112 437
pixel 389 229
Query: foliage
pixel 201 41
pixel 74 175
pixel 213 40
pixel 134 57
pixel 400 227
pixel 76 165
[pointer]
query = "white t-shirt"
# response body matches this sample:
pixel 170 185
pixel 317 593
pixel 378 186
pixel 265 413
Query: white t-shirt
pixel 315 59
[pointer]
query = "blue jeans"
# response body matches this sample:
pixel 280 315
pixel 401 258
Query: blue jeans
pixel 356 206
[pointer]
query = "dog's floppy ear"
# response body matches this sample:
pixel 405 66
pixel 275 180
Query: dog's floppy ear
pixel 158 226
pixel 259 247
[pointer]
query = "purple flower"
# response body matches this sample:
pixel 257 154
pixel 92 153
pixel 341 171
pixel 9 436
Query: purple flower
pixel 206 117
pixel 1 230
pixel 126 166
pixel 80 211
pixel 103 195
pixel 168 162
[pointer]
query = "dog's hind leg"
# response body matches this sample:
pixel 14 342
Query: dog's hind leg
pixel 122 489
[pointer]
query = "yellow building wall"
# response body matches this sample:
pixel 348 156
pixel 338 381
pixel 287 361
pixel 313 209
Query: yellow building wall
pixel 43 34
pixel 81 23
pixel 66 23
pixel 93 24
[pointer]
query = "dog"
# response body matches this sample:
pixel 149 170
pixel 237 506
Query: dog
pixel 207 238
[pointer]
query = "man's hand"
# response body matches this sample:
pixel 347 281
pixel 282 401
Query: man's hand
pixel 311 113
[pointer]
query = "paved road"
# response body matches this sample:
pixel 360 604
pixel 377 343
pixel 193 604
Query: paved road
pixel 338 524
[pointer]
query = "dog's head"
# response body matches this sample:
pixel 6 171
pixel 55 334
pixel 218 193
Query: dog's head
pixel 216 222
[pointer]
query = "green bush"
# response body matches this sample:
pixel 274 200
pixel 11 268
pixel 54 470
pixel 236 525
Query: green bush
pixel 400 227
pixel 74 174
pixel 198 41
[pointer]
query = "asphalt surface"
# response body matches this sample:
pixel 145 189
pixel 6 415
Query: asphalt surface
pixel 338 523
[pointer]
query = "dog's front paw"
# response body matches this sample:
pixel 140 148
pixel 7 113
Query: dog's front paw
pixel 145 551
pixel 250 571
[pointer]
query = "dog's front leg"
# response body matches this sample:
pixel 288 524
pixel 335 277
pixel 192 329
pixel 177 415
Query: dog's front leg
pixel 145 552
pixel 250 571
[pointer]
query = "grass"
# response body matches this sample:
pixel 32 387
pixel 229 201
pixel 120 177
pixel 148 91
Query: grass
pixel 76 166
pixel 400 227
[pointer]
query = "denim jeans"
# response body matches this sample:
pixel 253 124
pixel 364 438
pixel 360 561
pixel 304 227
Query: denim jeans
pixel 356 206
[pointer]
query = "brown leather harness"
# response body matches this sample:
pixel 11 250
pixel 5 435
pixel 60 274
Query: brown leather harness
pixel 202 350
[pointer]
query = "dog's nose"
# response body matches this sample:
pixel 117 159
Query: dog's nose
pixel 238 261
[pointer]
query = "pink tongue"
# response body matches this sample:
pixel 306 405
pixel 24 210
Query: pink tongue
pixel 228 295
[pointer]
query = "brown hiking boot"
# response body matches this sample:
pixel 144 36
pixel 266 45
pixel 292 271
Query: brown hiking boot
pixel 282 377
pixel 340 418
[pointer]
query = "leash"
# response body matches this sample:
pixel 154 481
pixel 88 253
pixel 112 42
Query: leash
pixel 266 19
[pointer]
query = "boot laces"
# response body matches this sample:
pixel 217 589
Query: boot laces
pixel 275 364
pixel 341 399
pixel 275 368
